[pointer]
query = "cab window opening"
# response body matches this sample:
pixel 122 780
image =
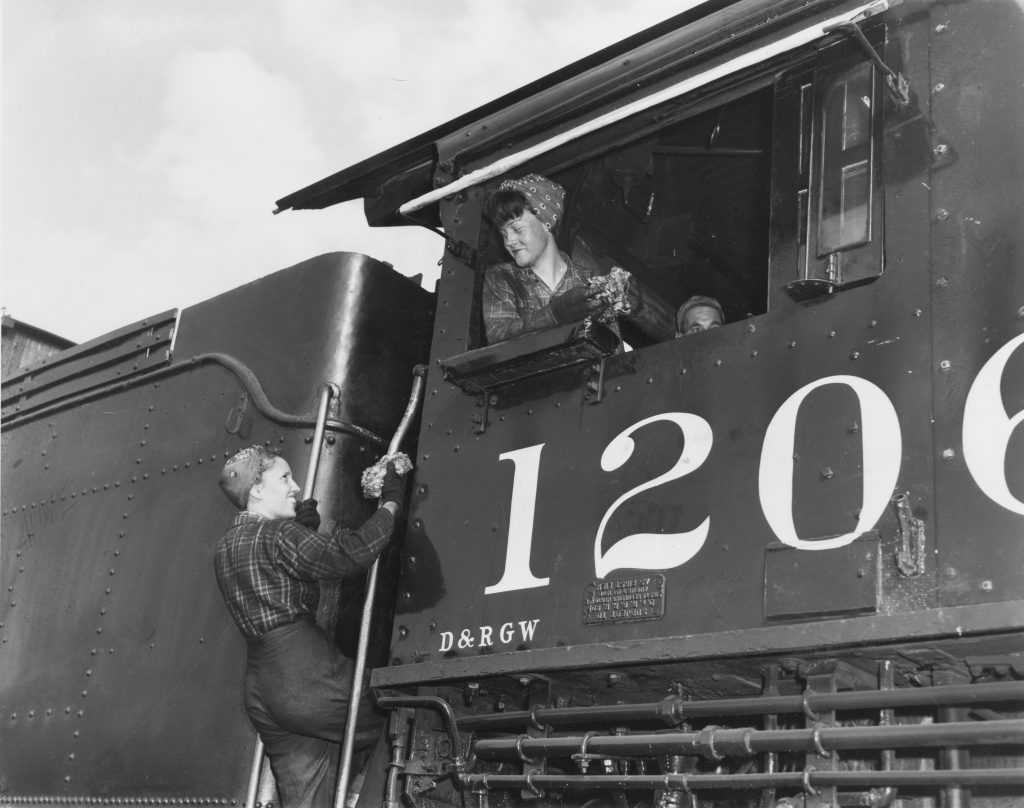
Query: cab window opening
pixel 768 197
pixel 684 210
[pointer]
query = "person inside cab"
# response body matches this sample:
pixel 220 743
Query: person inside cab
pixel 699 313
pixel 541 286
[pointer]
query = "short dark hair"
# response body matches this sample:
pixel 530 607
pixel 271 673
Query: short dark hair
pixel 502 207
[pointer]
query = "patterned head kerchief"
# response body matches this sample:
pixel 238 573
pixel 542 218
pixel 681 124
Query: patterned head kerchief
pixel 544 197
pixel 242 471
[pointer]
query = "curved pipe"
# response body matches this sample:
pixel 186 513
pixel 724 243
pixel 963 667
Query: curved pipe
pixel 264 406
pixel 431 703
pixel 249 381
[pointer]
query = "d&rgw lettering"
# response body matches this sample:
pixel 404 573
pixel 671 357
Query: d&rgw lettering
pixel 483 636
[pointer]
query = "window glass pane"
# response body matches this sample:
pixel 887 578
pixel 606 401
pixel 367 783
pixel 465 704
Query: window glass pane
pixel 845 200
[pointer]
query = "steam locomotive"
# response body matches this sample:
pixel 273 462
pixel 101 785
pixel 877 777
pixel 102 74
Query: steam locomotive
pixel 776 563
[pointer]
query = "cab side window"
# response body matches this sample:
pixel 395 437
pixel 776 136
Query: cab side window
pixel 762 192
pixel 681 202
pixel 826 176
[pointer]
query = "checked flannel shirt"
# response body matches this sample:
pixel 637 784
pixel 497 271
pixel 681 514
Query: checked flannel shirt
pixel 515 300
pixel 267 569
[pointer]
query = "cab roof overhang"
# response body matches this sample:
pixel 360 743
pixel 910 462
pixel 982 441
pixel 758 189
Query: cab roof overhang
pixel 403 172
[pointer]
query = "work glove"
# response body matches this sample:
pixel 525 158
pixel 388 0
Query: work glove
pixel 571 306
pixel 392 487
pixel 306 515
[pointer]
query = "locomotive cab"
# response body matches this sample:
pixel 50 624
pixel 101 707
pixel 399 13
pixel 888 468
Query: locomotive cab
pixel 762 192
pixel 774 563
pixel 633 558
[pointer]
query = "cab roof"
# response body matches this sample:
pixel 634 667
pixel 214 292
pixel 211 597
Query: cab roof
pixel 402 172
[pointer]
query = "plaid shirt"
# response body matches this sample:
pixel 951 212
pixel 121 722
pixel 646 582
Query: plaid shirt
pixel 516 301
pixel 267 569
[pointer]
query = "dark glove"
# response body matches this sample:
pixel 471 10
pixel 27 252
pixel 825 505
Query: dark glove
pixel 392 487
pixel 571 306
pixel 306 515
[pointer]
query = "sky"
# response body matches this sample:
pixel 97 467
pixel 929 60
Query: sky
pixel 145 143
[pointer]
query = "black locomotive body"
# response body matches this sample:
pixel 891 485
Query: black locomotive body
pixel 121 669
pixel 778 562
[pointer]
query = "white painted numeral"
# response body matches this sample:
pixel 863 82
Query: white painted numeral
pixel 654 551
pixel 517 574
pixel 987 429
pixel 882 456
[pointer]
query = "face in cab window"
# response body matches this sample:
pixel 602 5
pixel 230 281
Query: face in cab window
pixel 700 319
pixel 525 238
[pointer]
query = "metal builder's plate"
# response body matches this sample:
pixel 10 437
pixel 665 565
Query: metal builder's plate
pixel 625 600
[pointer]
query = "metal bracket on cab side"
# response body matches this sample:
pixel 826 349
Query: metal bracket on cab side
pixel 462 251
pixel 910 552
pixel 899 87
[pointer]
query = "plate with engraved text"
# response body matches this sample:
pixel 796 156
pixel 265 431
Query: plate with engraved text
pixel 624 600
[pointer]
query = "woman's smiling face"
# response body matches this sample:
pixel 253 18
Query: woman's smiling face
pixel 276 493
pixel 525 238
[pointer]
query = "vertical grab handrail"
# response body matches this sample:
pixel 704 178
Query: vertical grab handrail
pixel 345 770
pixel 327 391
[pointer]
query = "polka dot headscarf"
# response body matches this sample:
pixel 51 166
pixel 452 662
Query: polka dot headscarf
pixel 543 197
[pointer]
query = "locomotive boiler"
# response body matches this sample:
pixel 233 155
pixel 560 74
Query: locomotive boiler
pixel 776 563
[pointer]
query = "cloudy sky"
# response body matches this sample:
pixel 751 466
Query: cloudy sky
pixel 145 142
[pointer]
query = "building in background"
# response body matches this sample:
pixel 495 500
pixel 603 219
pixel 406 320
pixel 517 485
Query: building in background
pixel 24 344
